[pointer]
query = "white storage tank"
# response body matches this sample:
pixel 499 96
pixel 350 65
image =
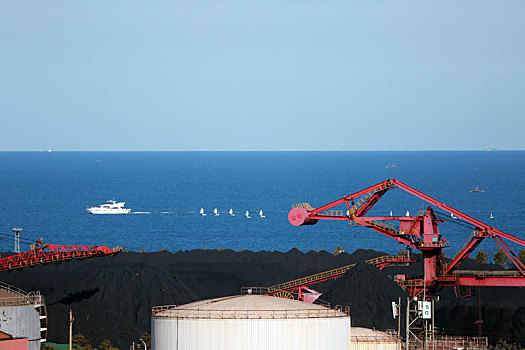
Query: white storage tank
pixel 23 315
pixel 249 322
pixel 371 339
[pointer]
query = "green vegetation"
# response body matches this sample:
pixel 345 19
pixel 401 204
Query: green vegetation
pixel 147 339
pixel 81 342
pixel 500 258
pixel 503 345
pixel 53 346
pixel 106 345
pixel 521 255
pixel 482 257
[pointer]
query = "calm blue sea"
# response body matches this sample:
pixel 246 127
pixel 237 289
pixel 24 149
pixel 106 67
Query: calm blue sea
pixel 47 194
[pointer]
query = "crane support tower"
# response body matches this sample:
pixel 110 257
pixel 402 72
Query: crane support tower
pixel 421 233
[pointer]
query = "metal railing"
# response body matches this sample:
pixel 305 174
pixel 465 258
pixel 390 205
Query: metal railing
pixel 385 258
pixel 485 273
pixel 173 311
pixel 455 342
pixel 15 296
pixel 254 290
pixel 312 278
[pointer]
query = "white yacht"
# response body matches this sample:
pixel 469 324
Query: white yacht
pixel 111 207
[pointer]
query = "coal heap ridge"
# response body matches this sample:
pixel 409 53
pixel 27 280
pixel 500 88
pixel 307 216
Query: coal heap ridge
pixel 111 297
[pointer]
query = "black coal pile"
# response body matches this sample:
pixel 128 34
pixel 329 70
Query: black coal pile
pixel 112 297
pixel 369 294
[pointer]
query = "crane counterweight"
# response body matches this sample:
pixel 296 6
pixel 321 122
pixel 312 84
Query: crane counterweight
pixel 299 217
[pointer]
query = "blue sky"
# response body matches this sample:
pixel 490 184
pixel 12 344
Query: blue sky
pixel 262 75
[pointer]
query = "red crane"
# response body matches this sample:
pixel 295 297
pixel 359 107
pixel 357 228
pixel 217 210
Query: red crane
pixel 419 232
pixel 44 253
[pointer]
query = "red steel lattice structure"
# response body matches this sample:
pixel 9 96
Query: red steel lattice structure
pixel 383 261
pixel 420 232
pixel 51 252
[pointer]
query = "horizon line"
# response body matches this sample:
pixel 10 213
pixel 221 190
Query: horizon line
pixel 263 150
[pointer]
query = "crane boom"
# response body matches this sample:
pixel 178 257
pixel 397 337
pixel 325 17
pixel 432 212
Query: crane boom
pixel 419 232
pixel 52 252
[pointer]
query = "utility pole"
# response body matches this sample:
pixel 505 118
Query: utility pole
pixel 479 321
pixel 71 319
pixel 17 231
pixel 399 323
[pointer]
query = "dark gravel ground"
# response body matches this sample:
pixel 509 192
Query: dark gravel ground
pixel 111 297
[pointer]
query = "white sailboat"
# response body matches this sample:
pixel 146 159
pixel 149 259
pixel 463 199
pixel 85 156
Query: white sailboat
pixel 247 214
pixel 453 216
pixel 491 216
pixel 216 212
pixel 407 213
pixel 261 214
pixel 231 212
pixel 202 212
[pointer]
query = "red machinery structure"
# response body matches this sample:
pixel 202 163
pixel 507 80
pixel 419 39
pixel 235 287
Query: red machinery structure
pixel 419 232
pixel 299 286
pixel 44 253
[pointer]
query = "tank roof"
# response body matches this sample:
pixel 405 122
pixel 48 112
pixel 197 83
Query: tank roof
pixel 247 306
pixel 12 296
pixel 370 335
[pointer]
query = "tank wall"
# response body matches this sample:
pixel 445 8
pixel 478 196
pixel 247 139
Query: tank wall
pixel 21 322
pixel 253 334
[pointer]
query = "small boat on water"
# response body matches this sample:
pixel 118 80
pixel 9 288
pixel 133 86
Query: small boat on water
pixel 202 212
pixel 216 212
pixel 390 166
pixel 111 207
pixel 476 189
pixel 247 214
pixel 261 214
pixel 231 212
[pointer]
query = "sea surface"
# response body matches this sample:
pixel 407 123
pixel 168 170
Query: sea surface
pixel 47 193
